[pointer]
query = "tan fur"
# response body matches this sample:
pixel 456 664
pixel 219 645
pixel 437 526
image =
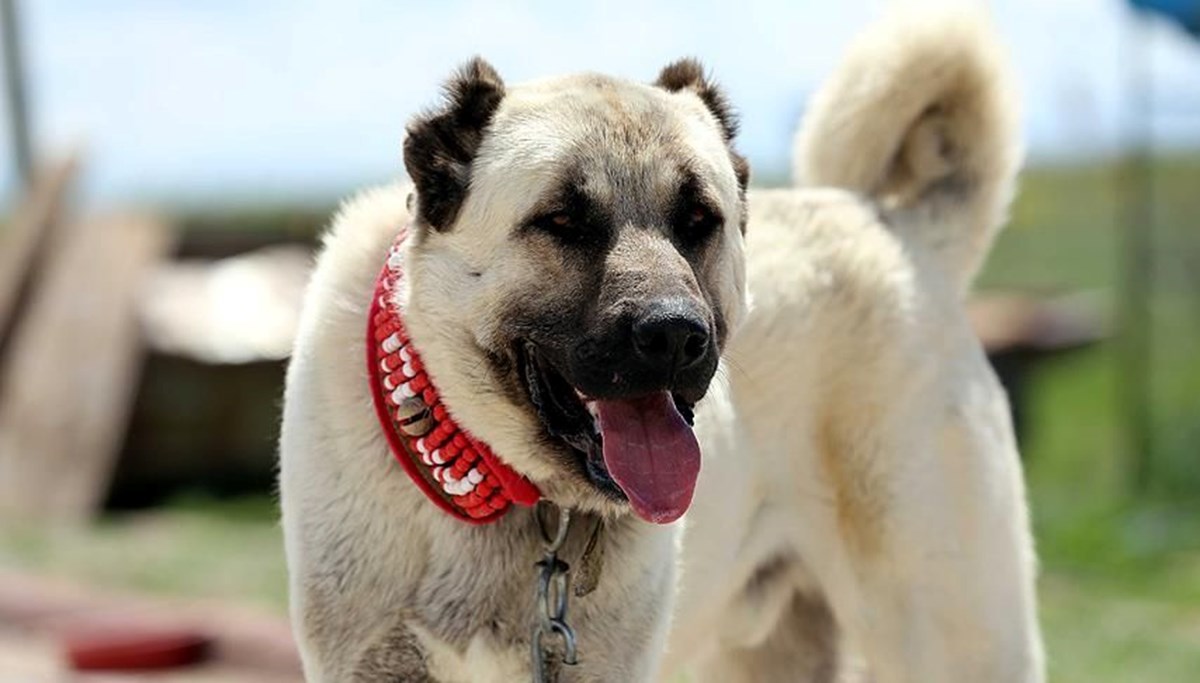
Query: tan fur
pixel 948 120
pixel 860 511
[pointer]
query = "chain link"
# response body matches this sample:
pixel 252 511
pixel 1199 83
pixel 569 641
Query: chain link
pixel 553 594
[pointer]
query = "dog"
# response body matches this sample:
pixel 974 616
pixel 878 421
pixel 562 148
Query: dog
pixel 613 323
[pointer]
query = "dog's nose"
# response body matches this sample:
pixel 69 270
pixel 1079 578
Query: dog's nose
pixel 671 334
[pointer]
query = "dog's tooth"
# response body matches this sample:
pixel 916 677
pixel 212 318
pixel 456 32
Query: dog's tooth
pixel 474 476
pixel 437 456
pixel 594 412
pixel 405 354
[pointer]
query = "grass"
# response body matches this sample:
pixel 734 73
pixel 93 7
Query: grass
pixel 1120 593
pixel 1120 587
pixel 231 550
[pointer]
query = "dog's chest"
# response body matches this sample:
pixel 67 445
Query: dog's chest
pixel 484 660
pixel 472 610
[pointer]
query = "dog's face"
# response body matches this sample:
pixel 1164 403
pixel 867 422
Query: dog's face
pixel 576 270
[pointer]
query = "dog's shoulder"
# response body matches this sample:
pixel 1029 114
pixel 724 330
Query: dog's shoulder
pixel 829 252
pixel 870 311
pixel 339 291
pixel 356 241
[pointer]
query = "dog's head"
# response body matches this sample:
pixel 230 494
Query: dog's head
pixel 575 272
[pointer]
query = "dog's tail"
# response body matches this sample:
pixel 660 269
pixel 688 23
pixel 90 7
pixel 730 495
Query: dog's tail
pixel 921 118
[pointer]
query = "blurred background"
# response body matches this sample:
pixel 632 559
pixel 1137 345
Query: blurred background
pixel 167 166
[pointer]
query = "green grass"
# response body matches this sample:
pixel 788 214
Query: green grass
pixel 1120 588
pixel 231 550
pixel 1121 569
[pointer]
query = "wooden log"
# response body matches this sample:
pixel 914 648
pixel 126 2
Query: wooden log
pixel 29 228
pixel 73 368
pixel 1008 322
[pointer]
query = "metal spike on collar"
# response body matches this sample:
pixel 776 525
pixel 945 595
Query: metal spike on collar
pixel 414 417
pixel 591 562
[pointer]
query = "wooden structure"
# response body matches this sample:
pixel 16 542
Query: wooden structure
pixel 20 241
pixel 68 298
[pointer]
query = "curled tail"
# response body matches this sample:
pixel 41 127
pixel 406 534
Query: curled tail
pixel 921 118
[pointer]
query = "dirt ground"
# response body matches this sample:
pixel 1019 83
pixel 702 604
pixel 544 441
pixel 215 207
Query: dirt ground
pixel 246 646
pixel 34 659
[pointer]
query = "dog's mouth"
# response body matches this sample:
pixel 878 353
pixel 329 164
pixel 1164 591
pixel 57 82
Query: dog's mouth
pixel 639 447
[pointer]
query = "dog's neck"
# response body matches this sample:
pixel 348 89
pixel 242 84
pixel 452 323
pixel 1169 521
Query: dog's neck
pixel 455 470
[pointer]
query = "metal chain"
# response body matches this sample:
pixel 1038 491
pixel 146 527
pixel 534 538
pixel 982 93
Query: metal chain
pixel 553 593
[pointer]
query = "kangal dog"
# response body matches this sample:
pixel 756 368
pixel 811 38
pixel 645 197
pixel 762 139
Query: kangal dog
pixel 604 317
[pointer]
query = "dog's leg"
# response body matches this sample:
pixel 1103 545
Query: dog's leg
pixel 800 648
pixel 343 638
pixel 395 657
pixel 925 554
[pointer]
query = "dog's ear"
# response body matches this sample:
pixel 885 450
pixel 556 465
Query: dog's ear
pixel 688 74
pixel 442 144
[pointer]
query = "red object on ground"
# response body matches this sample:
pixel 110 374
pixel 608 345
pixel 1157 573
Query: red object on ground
pixel 125 645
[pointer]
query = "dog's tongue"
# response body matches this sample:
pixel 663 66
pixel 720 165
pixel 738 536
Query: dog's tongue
pixel 651 453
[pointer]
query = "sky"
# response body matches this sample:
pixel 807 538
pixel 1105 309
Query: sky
pixel 303 100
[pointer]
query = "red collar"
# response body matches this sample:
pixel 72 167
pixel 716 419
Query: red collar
pixel 455 470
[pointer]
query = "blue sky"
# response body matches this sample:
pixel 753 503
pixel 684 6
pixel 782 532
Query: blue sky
pixel 288 99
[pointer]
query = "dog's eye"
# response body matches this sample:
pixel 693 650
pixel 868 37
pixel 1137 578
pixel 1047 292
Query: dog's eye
pixel 696 223
pixel 560 224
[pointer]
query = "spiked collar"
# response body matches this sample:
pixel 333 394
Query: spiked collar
pixel 455 470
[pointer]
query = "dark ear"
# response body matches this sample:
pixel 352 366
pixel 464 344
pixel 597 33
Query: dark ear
pixel 688 74
pixel 442 144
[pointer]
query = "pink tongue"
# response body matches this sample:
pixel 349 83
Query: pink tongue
pixel 651 453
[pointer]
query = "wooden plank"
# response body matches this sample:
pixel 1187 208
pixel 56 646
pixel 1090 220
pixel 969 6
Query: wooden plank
pixel 29 228
pixel 73 368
